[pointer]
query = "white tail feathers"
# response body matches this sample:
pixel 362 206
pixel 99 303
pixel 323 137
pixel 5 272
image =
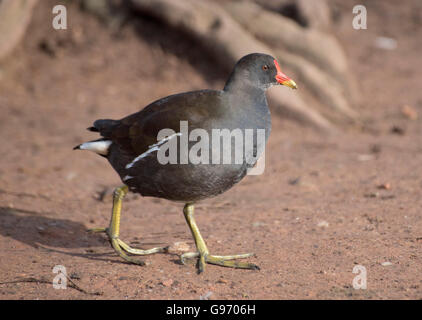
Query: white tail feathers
pixel 100 147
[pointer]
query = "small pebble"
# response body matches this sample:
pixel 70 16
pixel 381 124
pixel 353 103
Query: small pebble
pixel 409 112
pixel 384 186
pixel 223 281
pixel 167 283
pixel 323 224
pixel 386 264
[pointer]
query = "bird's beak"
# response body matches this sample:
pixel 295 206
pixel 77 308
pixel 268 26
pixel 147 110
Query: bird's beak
pixel 283 79
pixel 289 83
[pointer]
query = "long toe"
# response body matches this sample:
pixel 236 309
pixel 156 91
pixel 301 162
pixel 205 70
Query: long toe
pixel 235 256
pixel 224 261
pixel 227 261
pixel 140 252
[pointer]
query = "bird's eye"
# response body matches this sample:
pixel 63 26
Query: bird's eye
pixel 265 67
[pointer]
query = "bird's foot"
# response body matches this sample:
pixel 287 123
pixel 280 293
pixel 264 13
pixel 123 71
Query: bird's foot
pixel 224 261
pixel 121 247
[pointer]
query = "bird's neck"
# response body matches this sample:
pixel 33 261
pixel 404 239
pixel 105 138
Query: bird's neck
pixel 243 90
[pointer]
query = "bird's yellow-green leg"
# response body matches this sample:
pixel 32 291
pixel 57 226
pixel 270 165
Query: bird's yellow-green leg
pixel 203 253
pixel 114 229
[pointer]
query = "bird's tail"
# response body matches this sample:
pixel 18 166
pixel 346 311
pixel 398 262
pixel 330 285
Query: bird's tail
pixel 100 146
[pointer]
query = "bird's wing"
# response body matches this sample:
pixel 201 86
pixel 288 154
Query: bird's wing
pixel 136 132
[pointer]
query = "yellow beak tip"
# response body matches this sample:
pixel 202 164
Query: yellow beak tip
pixel 290 83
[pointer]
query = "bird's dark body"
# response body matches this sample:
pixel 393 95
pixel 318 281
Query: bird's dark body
pixel 133 135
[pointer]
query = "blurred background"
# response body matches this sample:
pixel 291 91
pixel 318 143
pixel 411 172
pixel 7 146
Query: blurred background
pixel 342 184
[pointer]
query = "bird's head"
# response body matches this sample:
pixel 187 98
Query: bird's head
pixel 261 70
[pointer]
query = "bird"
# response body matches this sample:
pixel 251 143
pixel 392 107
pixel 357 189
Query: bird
pixel 145 149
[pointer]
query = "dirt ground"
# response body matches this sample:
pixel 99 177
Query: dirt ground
pixel 323 205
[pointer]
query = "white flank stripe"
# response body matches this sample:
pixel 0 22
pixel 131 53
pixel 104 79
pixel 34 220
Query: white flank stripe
pixel 127 178
pixel 151 148
pixel 100 147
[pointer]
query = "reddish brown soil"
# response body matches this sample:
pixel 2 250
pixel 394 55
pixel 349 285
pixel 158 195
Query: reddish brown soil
pixel 318 210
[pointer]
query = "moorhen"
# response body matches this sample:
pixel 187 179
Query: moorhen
pixel 143 148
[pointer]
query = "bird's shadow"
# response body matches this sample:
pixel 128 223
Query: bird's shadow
pixel 57 235
pixel 36 230
pixel 52 234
